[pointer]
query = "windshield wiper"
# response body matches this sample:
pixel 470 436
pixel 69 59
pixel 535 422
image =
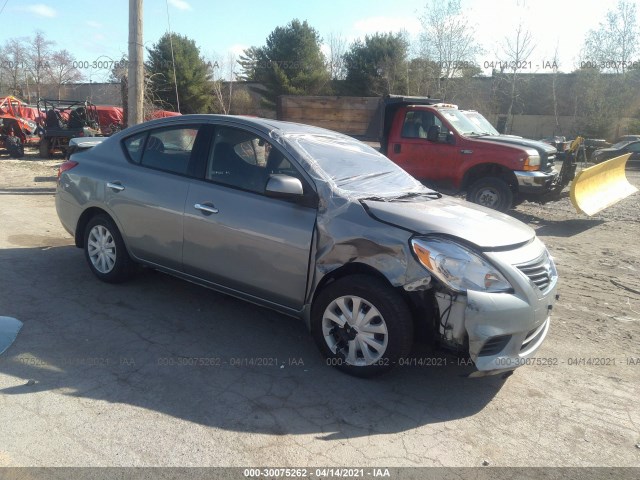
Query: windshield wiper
pixel 432 194
pixel 429 194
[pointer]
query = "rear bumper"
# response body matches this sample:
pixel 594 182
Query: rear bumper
pixel 535 182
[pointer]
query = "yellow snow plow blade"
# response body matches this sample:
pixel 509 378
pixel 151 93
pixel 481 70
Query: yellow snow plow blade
pixel 598 187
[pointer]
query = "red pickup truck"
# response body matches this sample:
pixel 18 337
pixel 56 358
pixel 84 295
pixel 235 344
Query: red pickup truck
pixel 451 149
pixel 457 151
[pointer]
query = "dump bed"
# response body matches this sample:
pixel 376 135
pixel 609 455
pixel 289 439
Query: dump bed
pixel 365 118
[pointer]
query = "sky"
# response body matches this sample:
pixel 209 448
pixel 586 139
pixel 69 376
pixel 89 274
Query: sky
pixel 98 31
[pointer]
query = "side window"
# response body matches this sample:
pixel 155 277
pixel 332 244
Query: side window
pixel 634 147
pixel 133 145
pixel 169 149
pixel 416 124
pixel 244 160
pixel 409 127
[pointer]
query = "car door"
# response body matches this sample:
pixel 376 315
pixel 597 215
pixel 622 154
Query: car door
pixel 433 162
pixel 237 237
pixel 148 198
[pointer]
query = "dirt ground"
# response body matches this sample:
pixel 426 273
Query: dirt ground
pixel 156 372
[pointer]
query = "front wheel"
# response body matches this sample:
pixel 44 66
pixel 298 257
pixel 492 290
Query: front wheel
pixel 105 251
pixel 491 192
pixel 15 148
pixel 361 325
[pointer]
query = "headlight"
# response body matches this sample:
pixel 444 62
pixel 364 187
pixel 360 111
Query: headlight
pixel 532 162
pixel 458 267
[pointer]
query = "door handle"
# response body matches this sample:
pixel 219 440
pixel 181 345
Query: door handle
pixel 396 148
pixel 207 209
pixel 117 186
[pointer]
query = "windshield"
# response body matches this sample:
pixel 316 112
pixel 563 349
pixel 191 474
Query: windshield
pixel 461 123
pixel 482 124
pixel 619 145
pixel 356 168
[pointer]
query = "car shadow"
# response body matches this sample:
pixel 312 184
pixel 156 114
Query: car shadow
pixel 159 343
pixel 557 228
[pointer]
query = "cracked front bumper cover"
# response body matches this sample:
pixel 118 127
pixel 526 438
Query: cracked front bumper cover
pixel 502 330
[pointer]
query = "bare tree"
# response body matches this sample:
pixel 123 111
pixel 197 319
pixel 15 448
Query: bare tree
pixel 337 47
pixel 61 70
pixel 14 55
pixel 38 59
pixel 448 39
pixel 516 52
pixel 223 83
pixel 614 44
pixel 554 87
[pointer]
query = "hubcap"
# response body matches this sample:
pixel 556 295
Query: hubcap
pixel 101 249
pixel 488 197
pixel 355 329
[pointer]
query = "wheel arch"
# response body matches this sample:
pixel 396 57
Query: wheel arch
pixel 489 170
pixel 84 219
pixel 420 303
pixel 351 268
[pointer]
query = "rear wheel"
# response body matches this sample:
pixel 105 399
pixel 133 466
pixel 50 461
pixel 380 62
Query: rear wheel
pixel 105 251
pixel 491 192
pixel 361 325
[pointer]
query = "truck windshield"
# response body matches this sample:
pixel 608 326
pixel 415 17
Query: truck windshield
pixel 483 125
pixel 461 123
pixel 356 168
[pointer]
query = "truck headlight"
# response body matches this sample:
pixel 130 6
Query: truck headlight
pixel 458 267
pixel 532 162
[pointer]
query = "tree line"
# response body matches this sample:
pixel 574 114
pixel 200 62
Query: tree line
pixel 442 62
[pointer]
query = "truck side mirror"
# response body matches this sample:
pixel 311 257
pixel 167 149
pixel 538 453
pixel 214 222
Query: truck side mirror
pixel 433 134
pixel 450 138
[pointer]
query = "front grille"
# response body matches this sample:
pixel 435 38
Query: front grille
pixel 539 271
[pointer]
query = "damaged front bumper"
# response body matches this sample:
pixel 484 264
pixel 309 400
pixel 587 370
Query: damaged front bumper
pixel 503 331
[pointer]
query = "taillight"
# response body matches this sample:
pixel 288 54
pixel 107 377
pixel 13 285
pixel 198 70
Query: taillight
pixel 68 165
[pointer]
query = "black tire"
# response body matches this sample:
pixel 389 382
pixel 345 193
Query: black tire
pixel 43 148
pixel 15 148
pixel 394 315
pixel 101 226
pixel 491 192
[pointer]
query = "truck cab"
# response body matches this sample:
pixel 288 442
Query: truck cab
pixel 457 151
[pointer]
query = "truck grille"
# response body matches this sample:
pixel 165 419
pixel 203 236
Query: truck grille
pixel 540 271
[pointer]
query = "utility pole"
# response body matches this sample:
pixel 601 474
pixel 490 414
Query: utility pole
pixel 136 68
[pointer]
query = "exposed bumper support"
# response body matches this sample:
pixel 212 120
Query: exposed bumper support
pixel 535 182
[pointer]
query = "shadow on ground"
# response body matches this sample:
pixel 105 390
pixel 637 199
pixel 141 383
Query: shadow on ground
pixel 557 228
pixel 166 345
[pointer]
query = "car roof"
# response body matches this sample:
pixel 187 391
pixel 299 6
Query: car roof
pixel 266 125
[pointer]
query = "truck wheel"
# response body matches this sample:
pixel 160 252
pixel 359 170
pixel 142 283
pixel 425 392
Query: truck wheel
pixel 15 148
pixel 361 325
pixel 491 192
pixel 44 148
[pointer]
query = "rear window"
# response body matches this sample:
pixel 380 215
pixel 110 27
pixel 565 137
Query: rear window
pixel 133 146
pixel 167 148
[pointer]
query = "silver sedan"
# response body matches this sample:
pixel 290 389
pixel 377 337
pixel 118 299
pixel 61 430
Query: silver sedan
pixel 316 225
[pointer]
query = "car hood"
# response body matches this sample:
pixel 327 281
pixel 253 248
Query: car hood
pixel 485 228
pixel 522 142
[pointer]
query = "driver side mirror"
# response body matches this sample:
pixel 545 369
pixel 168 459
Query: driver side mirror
pixel 283 186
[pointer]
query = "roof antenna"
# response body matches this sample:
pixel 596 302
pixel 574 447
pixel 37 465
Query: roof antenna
pixel 173 61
